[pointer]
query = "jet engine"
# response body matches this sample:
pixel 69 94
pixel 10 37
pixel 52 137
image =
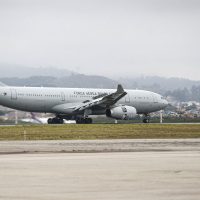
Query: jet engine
pixel 122 112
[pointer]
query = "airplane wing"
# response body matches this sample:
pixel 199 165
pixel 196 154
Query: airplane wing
pixel 103 100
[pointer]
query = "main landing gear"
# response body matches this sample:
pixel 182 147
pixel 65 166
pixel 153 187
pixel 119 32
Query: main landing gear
pixel 55 120
pixel 84 120
pixel 146 118
pixel 79 120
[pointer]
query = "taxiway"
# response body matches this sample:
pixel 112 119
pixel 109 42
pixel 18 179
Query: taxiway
pixel 90 146
pixel 173 175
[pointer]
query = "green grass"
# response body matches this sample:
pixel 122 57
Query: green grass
pixel 99 131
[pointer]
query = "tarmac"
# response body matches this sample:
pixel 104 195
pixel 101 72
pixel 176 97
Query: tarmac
pixel 117 169
pixel 91 146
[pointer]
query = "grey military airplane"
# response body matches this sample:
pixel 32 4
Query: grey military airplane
pixel 80 103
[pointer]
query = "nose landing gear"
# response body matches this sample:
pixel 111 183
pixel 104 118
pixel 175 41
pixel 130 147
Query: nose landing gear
pixel 146 119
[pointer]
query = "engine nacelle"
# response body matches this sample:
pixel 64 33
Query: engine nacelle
pixel 122 112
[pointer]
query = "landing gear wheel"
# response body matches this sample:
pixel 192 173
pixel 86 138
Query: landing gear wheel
pixel 79 121
pixel 146 121
pixel 49 121
pixel 55 121
pixel 84 120
pixel 88 121
pixel 61 121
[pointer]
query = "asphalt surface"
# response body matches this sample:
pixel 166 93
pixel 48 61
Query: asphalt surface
pixel 152 169
pixel 173 175
pixel 127 145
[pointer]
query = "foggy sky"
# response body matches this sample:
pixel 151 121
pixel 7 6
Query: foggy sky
pixel 103 37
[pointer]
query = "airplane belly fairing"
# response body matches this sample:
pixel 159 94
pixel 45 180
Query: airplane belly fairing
pixel 29 105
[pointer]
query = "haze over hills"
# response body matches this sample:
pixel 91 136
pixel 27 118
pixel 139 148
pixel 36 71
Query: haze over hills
pixel 73 81
pixel 19 71
pixel 8 70
pixel 158 83
pixel 179 88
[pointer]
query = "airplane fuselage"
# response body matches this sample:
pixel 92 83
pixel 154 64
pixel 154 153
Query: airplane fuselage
pixel 62 100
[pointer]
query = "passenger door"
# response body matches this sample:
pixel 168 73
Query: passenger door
pixel 62 96
pixel 127 98
pixel 13 94
pixel 155 99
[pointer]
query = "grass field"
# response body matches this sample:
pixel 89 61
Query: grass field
pixel 99 131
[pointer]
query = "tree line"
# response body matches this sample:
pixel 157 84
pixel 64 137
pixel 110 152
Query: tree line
pixel 185 94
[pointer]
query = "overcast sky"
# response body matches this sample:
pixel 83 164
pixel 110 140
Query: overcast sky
pixel 103 37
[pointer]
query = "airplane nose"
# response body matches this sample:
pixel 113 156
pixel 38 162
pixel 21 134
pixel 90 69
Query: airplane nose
pixel 166 103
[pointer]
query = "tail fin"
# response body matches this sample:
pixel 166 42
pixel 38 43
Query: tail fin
pixel 2 84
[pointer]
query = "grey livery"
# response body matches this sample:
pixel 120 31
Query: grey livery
pixel 80 103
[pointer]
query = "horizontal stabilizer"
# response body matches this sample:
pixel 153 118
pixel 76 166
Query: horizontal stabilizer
pixel 2 84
